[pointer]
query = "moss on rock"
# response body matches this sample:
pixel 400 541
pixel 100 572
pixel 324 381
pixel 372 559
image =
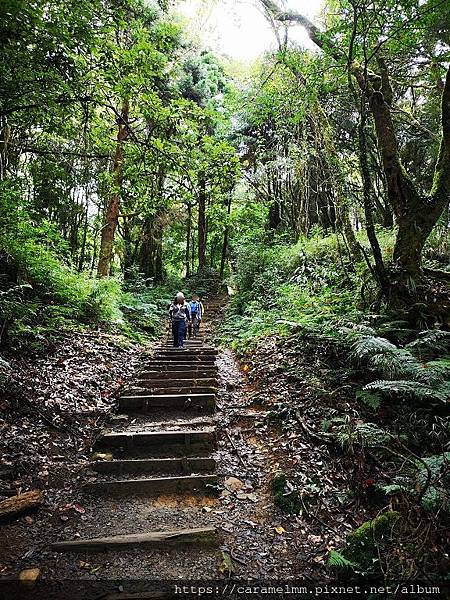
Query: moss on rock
pixel 363 543
pixel 287 501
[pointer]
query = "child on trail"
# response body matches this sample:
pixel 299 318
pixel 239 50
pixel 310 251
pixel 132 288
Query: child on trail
pixel 180 317
pixel 197 310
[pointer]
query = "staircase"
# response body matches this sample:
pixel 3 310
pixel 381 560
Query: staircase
pixel 163 444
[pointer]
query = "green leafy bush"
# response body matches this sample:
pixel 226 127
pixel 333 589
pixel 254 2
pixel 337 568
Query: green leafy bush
pixel 282 286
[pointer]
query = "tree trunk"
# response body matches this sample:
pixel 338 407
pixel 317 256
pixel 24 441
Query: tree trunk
pixel 202 237
pixel 225 239
pixel 113 208
pixel 416 216
pixel 5 133
pixel 274 209
pixel 84 239
pixel 368 206
pixel 188 240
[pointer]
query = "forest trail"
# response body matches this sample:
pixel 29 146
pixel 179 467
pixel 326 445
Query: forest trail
pixel 153 469
pixel 175 491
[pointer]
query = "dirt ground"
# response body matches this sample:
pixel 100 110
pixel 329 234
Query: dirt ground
pixel 47 439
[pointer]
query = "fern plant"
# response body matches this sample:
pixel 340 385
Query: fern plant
pixel 366 434
pixel 338 561
pixel 404 374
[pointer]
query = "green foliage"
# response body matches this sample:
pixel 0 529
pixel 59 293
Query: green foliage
pixel 285 496
pixel 370 399
pixel 405 375
pixel 433 472
pixel 364 545
pixel 338 561
pixel 365 434
pixel 414 390
pixel 284 286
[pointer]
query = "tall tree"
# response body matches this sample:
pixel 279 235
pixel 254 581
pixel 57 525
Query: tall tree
pixel 113 208
pixel 416 213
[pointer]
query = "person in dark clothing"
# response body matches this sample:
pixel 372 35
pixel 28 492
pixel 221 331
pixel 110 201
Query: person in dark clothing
pixel 196 307
pixel 180 317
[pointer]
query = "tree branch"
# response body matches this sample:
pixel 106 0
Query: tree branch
pixel 440 191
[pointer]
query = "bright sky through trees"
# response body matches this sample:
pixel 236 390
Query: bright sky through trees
pixel 238 28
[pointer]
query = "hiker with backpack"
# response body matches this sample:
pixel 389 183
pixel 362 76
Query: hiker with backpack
pixel 196 308
pixel 180 318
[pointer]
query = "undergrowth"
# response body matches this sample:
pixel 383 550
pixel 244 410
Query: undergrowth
pixel 41 292
pixel 378 387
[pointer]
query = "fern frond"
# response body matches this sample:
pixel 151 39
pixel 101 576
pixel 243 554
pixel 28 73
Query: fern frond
pixel 367 346
pixel 435 340
pixel 383 356
pixel 434 372
pixel 367 434
pixel 411 389
pixel 338 560
pixel 393 488
pixel 372 400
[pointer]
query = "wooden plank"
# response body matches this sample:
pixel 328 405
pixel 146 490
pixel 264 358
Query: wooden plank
pixel 175 401
pixel 197 535
pixel 201 437
pixel 154 485
pixel 176 390
pixel 185 465
pixel 179 374
pixel 20 504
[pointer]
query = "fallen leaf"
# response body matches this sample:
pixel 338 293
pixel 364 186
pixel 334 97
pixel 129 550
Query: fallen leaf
pixel 102 456
pixel 280 530
pixel 95 569
pixel 233 484
pixel 29 576
pixel 226 566
pixel 315 539
pixel 319 559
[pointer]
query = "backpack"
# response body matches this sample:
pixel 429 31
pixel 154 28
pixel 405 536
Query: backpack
pixel 195 307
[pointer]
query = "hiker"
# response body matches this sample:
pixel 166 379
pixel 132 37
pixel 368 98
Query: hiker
pixel 196 308
pixel 180 317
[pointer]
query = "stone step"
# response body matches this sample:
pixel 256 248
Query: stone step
pixel 197 343
pixel 188 441
pixel 187 352
pixel 204 402
pixel 199 535
pixel 183 465
pixel 204 484
pixel 183 358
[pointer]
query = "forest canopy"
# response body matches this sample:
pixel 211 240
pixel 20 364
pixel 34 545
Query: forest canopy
pixel 128 151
